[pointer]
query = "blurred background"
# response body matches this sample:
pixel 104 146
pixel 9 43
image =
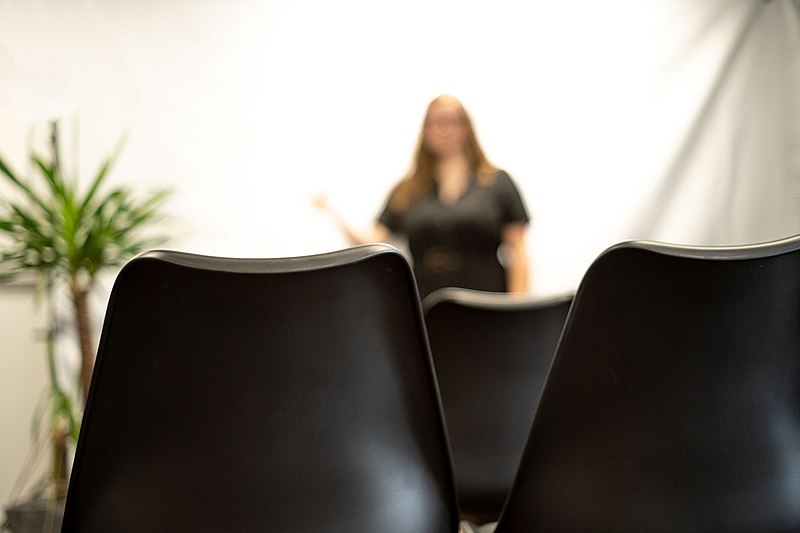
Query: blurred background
pixel 672 120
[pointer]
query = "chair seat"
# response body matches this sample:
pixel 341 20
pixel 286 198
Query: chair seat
pixel 672 402
pixel 292 394
pixel 492 352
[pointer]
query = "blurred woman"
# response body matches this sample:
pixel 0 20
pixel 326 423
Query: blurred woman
pixel 463 218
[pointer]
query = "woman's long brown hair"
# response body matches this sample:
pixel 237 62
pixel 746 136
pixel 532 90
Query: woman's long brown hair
pixel 421 176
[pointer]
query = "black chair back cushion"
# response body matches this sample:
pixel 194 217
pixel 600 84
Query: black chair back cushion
pixel 673 403
pixel 283 395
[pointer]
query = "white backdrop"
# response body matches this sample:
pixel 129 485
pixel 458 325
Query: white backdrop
pixel 674 120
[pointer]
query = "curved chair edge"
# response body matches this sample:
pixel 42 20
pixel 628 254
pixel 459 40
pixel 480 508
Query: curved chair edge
pixel 243 265
pixel 731 252
pixel 491 300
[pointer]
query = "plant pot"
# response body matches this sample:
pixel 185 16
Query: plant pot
pixel 35 516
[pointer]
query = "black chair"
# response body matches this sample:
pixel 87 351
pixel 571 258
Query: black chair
pixel 673 402
pixel 282 395
pixel 491 352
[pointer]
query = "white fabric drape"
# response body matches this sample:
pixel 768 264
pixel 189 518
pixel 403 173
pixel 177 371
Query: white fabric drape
pixel 735 175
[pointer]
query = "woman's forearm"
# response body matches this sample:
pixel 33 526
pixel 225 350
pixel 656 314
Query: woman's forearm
pixel 517 259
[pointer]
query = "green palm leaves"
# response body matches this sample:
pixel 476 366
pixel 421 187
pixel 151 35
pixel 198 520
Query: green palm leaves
pixel 55 229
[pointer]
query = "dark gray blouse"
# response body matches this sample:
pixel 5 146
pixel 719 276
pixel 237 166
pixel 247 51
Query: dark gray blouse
pixel 457 245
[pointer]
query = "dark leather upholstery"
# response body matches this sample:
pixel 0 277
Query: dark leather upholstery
pixel 673 403
pixel 491 352
pixel 282 395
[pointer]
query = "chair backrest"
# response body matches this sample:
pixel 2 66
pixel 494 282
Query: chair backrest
pixel 491 352
pixel 283 395
pixel 673 402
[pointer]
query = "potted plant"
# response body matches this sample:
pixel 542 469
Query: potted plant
pixel 66 237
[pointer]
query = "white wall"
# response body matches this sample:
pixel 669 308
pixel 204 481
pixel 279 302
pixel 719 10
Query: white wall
pixel 22 381
pixel 672 120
